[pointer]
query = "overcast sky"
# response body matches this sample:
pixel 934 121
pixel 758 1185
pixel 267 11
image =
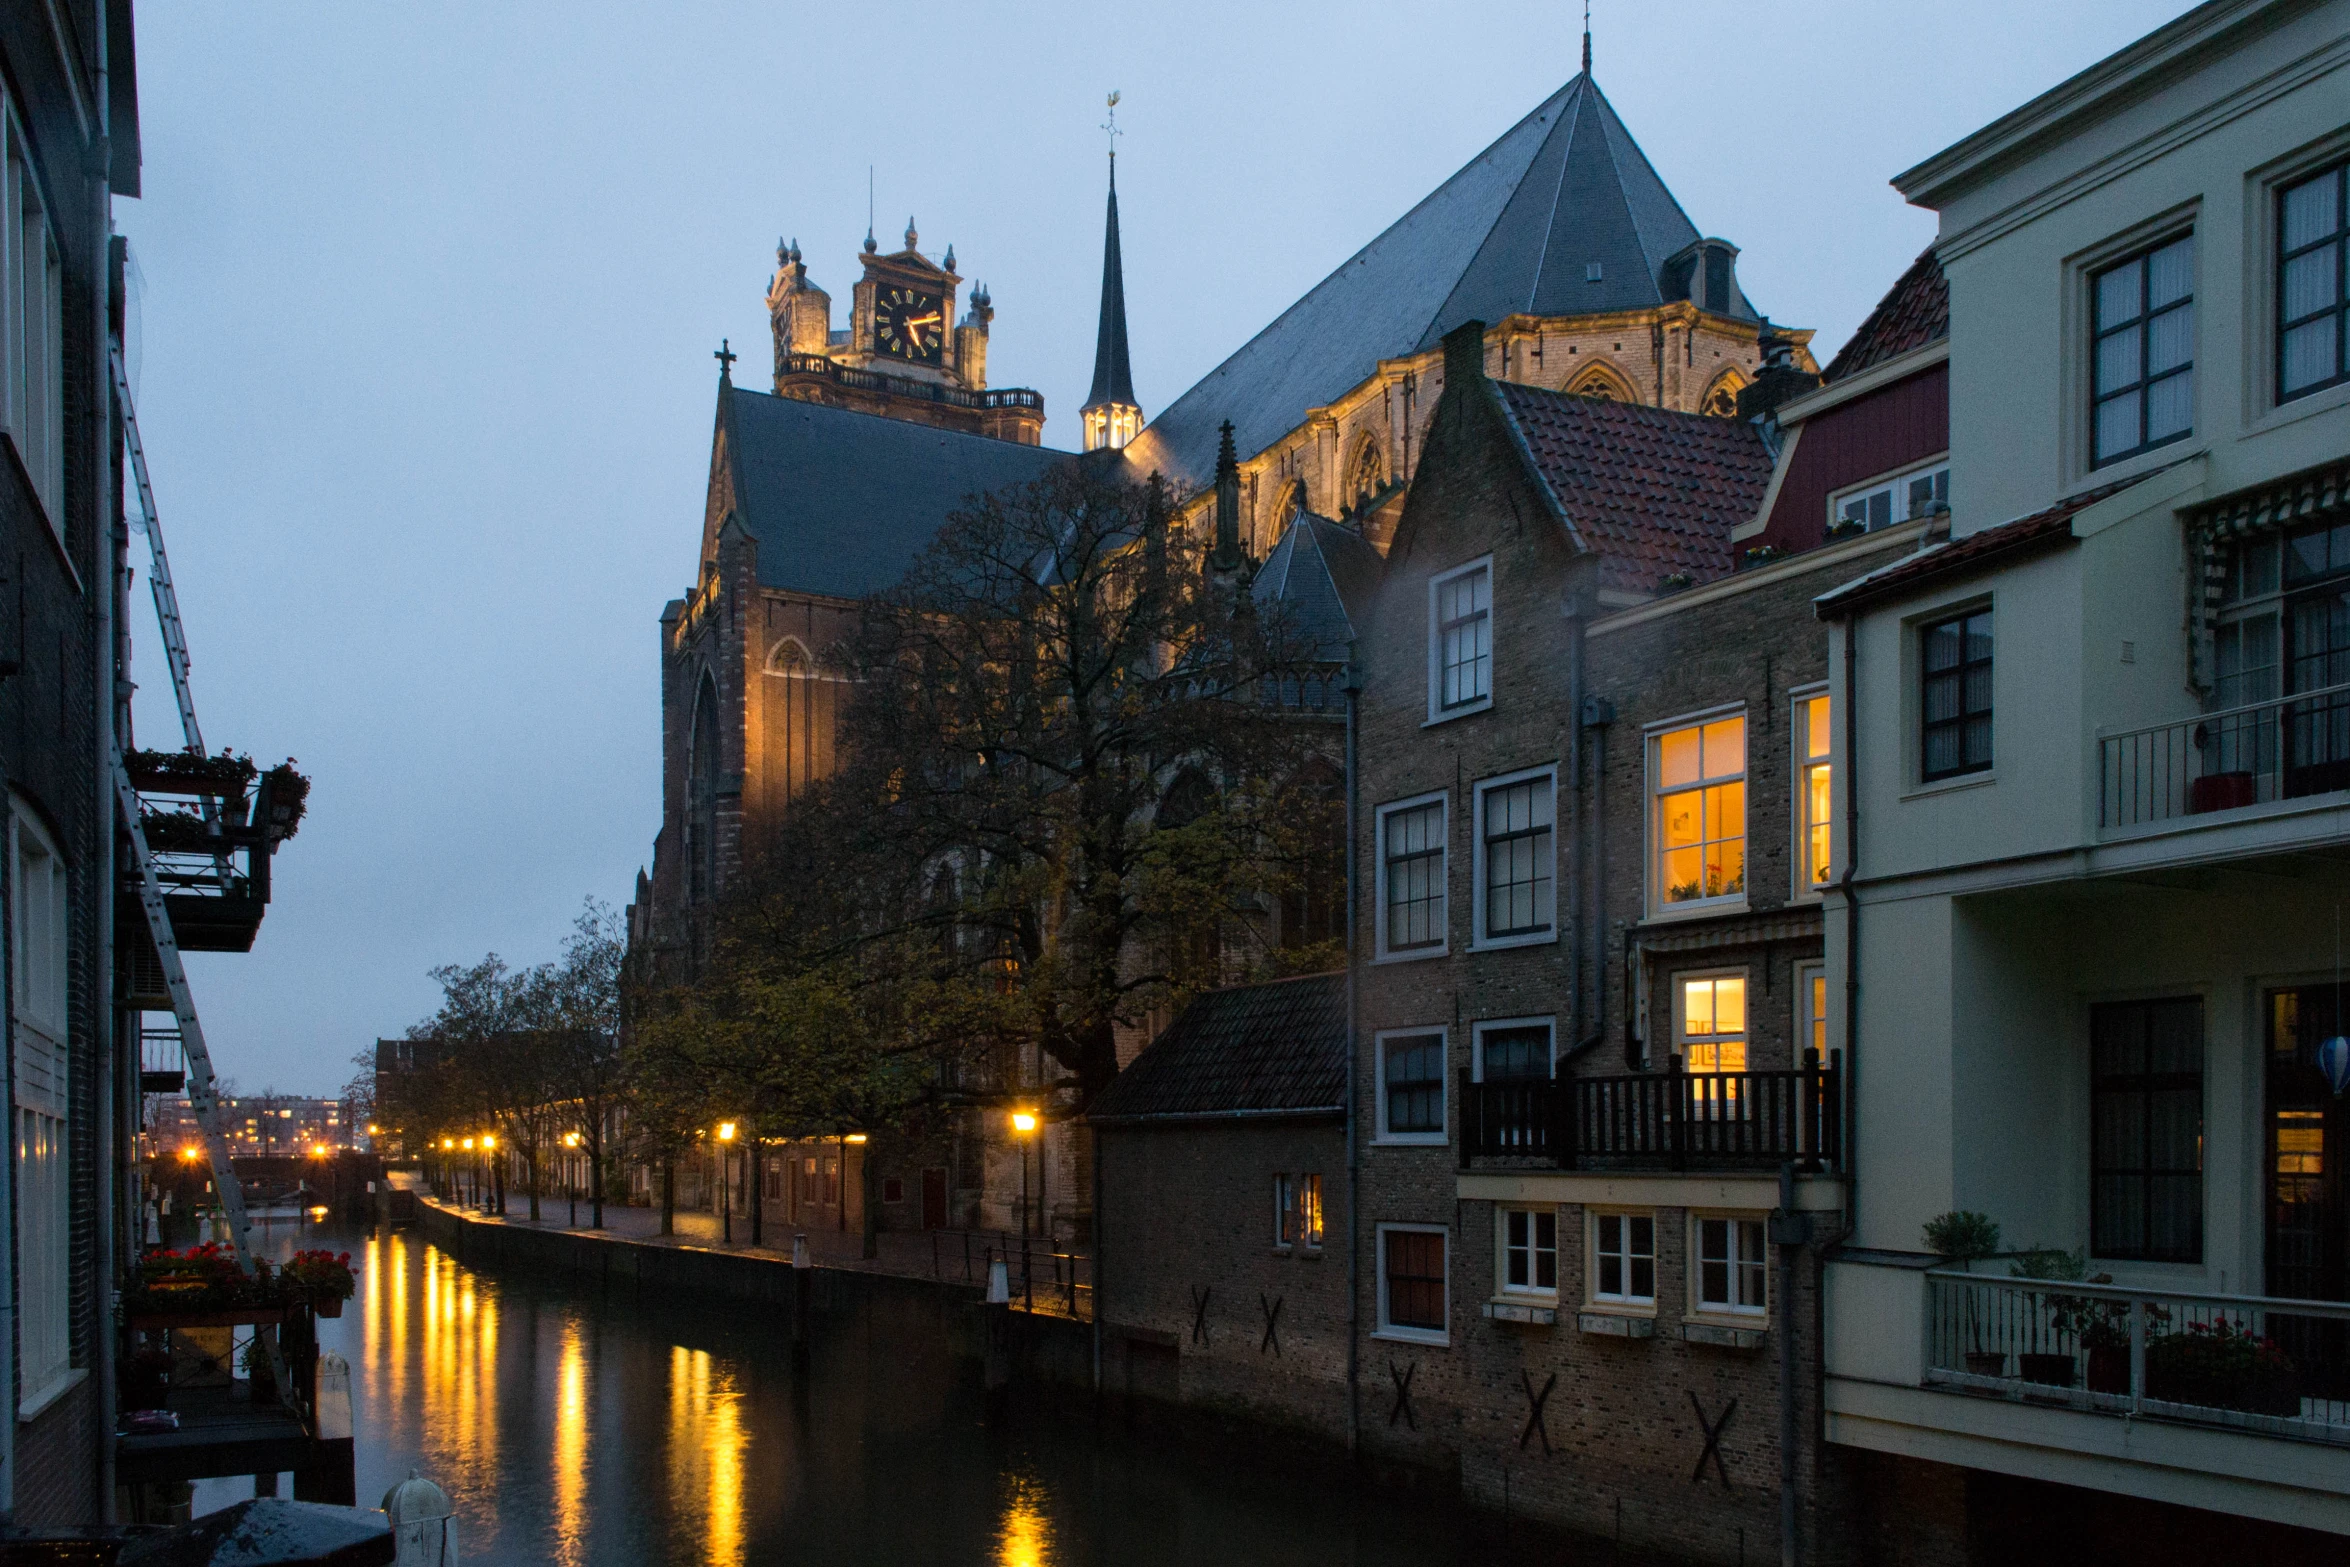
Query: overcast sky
pixel 431 292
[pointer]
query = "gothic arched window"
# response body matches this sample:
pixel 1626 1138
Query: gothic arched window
pixel 701 794
pixel 1368 477
pixel 1293 505
pixel 1721 398
pixel 1600 381
pixel 790 657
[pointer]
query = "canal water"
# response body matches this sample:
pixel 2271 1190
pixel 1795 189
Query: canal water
pixel 587 1431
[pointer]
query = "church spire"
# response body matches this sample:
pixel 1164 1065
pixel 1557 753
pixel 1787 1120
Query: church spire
pixel 1586 37
pixel 1111 415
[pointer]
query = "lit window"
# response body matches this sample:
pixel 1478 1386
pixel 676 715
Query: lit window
pixel 1884 502
pixel 1700 814
pixel 1711 1025
pixel 1530 1250
pixel 1730 1266
pixel 1954 660
pixel 2313 289
pixel 1623 1251
pixel 1815 847
pixel 1516 865
pixel 1411 1087
pixel 1461 640
pixel 2144 353
pixel 1411 874
pixel 1811 986
pixel 1411 1282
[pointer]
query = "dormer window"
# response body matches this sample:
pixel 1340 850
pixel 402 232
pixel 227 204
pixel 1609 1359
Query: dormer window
pixel 1881 503
pixel 1460 641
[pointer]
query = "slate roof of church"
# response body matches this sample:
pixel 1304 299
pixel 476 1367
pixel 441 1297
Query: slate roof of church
pixel 1914 312
pixel 841 502
pixel 1655 493
pixel 1323 573
pixel 1512 232
pixel 1253 1049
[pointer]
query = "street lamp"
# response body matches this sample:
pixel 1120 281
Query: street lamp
pixel 1024 1128
pixel 571 1176
pixel 725 1181
pixel 490 1172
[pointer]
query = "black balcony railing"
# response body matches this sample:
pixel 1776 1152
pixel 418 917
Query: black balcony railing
pixel 1660 1120
pixel 819 366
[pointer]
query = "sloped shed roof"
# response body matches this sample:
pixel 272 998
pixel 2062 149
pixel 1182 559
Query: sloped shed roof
pixel 1515 231
pixel 1276 1048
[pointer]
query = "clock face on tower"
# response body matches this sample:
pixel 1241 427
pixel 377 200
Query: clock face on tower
pixel 908 323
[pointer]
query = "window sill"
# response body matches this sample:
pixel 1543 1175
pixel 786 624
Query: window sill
pixel 1413 1140
pixel 1697 909
pixel 1469 710
pixel 1617 1322
pixel 2300 408
pixel 32 1407
pixel 1919 791
pixel 1723 1333
pixel 1529 1311
pixel 1540 938
pixel 1433 1336
pixel 1416 955
pixel 2135 466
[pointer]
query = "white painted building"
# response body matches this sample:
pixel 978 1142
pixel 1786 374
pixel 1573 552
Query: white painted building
pixel 2095 851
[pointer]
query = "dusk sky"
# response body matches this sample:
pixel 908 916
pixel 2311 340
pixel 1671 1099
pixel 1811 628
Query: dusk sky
pixel 430 294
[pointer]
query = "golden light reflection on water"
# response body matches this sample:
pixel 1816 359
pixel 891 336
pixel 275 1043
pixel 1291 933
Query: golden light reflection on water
pixel 1024 1537
pixel 706 1440
pixel 460 1358
pixel 571 1449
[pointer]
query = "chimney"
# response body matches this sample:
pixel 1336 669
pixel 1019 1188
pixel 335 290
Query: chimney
pixel 1779 380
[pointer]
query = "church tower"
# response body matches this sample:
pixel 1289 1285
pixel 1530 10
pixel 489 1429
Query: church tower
pixel 1111 415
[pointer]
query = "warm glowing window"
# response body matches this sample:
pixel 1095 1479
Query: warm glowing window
pixel 1530 1250
pixel 1461 636
pixel 1711 1025
pixel 1814 846
pixel 1309 1211
pixel 1700 811
pixel 1811 985
pixel 1623 1251
pixel 1731 1273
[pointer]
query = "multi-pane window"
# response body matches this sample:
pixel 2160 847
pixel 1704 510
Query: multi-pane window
pixel 1411 1269
pixel 1515 822
pixel 1411 1086
pixel 1954 711
pixel 1513 1053
pixel 1731 1269
pixel 2146 1130
pixel 1882 504
pixel 1623 1249
pixel 2283 631
pixel 2144 351
pixel 1530 1250
pixel 1811 1018
pixel 1412 872
pixel 1284 1211
pixel 32 328
pixel 39 920
pixel 2313 283
pixel 1700 811
pixel 1309 1211
pixel 1711 1023
pixel 1815 845
pixel 1461 633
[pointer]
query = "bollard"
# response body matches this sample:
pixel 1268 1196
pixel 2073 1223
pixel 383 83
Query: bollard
pixel 424 1525
pixel 332 1477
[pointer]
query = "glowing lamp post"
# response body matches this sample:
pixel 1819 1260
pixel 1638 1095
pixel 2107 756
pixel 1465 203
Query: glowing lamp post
pixel 571 1175
pixel 1024 1128
pixel 725 1181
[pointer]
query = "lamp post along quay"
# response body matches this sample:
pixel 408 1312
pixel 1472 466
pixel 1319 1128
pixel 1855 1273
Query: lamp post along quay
pixel 725 1181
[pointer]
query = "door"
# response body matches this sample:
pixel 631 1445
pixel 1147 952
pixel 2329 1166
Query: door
pixel 2309 1197
pixel 934 1199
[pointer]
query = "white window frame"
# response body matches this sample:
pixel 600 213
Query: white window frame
pixel 1533 1213
pixel 1680 979
pixel 1442 946
pixel 40 927
pixel 1479 940
pixel 1379 1045
pixel 1802 888
pixel 1811 1031
pixel 1896 488
pixel 1623 1300
pixel 32 326
pixel 1438 713
pixel 1284 1211
pixel 1652 836
pixel 1478 1031
pixel 1412 1334
pixel 1738 1220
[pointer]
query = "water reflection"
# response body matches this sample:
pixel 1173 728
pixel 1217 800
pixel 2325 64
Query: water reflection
pixel 595 1430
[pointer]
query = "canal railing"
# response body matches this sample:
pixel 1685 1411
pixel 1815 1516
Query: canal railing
pixel 1043 1279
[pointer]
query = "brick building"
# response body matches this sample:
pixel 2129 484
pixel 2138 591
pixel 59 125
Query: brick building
pixel 1221 1262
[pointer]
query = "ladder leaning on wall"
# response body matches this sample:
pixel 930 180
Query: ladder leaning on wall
pixel 203 1086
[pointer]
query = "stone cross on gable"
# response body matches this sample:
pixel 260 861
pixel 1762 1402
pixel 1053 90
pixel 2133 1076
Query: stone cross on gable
pixel 726 356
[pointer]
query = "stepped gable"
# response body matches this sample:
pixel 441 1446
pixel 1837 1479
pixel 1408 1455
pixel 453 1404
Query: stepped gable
pixel 1654 493
pixel 1252 1049
pixel 1513 232
pixel 842 502
pixel 1914 312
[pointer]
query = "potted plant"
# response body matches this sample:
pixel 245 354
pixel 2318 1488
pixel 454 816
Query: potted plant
pixel 323 1278
pixel 198 1279
pixel 2221 1365
pixel 1965 1238
pixel 2055 1318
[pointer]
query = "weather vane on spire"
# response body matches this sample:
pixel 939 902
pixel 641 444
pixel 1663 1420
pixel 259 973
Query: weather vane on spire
pixel 1586 37
pixel 1111 125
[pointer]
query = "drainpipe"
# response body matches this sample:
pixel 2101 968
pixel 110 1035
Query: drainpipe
pixel 1789 1230
pixel 1595 713
pixel 111 1124
pixel 1354 1228
pixel 1850 1075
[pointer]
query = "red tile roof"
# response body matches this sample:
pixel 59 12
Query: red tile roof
pixel 1652 492
pixel 1914 312
pixel 2040 530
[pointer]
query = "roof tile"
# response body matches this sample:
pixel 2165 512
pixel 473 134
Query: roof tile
pixel 1274 1047
pixel 1914 312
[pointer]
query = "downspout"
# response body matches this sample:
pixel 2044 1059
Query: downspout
pixel 111 689
pixel 1850 1075
pixel 1595 713
pixel 1354 1228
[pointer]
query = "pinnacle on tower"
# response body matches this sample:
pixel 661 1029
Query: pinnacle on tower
pixel 911 236
pixel 1111 415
